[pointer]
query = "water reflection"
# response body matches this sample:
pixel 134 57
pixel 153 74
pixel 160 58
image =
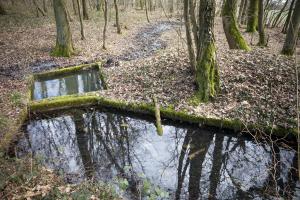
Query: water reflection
pixel 186 162
pixel 80 82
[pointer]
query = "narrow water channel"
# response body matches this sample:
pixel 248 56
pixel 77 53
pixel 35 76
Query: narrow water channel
pixel 187 162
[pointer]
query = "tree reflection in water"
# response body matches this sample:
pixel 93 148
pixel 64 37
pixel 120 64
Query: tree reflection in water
pixel 75 83
pixel 188 162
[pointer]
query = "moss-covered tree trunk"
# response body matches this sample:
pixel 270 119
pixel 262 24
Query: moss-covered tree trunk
pixel 64 43
pixel 117 17
pixel 85 10
pixel 292 32
pixel 261 24
pixel 207 74
pixel 234 37
pixel 252 16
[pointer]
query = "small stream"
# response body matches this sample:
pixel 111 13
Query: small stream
pixel 147 41
pixel 187 162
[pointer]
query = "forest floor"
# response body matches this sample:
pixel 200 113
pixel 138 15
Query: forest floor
pixel 258 86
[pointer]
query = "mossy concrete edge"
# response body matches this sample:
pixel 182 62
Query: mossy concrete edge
pixel 12 134
pixel 67 70
pixel 61 102
pixel 92 98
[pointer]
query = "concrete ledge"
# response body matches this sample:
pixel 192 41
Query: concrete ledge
pixel 93 99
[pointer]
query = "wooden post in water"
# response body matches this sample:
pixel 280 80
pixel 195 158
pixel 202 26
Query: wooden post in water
pixel 159 127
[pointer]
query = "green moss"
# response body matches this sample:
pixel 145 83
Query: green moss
pixel 16 98
pixel 30 82
pixel 61 102
pixel 240 41
pixel 194 101
pixel 159 128
pixel 149 108
pixel 3 122
pixel 63 51
pixel 67 70
pixel 233 34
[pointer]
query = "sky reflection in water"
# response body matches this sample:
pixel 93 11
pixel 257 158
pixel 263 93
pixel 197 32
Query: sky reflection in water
pixel 187 162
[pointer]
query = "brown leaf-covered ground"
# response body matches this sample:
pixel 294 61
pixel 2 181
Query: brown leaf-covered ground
pixel 257 86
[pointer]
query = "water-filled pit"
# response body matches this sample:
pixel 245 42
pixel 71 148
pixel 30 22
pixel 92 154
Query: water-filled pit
pixel 66 84
pixel 186 162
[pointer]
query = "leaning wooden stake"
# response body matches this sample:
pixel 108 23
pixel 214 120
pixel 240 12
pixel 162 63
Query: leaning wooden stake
pixel 159 127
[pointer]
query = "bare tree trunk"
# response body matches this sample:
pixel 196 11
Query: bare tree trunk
pixel 266 10
pixel 82 138
pixel 261 28
pixel 117 17
pixel 188 34
pixel 234 38
pixel 45 6
pixel 39 10
pixel 64 43
pixel 293 32
pixel 68 14
pixel 142 5
pixel 151 7
pixel 244 13
pixel 2 10
pixel 98 5
pixel 288 18
pixel 105 24
pixel 192 5
pixel 171 6
pixel 279 14
pixel 85 10
pixel 75 8
pixel 241 10
pixel 146 9
pixel 207 73
pixel 252 16
pixel 217 161
pixel 80 19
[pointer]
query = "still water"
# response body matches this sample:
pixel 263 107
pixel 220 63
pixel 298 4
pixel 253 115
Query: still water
pixel 76 83
pixel 186 162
